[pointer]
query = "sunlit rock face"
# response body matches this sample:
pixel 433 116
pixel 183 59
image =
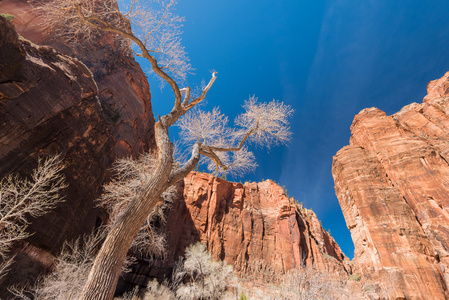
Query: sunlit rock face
pixel 91 104
pixel 392 183
pixel 254 227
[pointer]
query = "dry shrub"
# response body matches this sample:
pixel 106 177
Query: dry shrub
pixel 72 267
pixel 156 291
pixel 308 283
pixel 304 283
pixel 127 185
pixel 197 276
pixel 21 198
pixel 200 276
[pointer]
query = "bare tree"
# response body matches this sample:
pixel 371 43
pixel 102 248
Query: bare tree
pixel 21 198
pixel 156 291
pixel 200 276
pixel 123 188
pixel 155 35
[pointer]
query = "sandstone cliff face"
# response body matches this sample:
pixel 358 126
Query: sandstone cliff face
pixel 254 227
pixel 48 105
pixel 123 89
pixel 90 104
pixel 392 182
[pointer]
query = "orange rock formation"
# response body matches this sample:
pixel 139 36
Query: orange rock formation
pixel 254 227
pixel 392 182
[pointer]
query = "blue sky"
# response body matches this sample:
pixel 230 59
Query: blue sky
pixel 328 60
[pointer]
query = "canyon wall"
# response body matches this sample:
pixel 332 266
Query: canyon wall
pixel 254 227
pixel 91 104
pixel 392 183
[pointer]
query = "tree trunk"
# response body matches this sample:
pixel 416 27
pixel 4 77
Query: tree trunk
pixel 103 276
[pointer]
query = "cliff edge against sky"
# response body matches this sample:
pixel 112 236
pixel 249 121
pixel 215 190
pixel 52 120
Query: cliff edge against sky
pixel 392 183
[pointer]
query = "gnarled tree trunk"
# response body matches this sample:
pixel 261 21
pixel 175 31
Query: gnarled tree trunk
pixel 103 277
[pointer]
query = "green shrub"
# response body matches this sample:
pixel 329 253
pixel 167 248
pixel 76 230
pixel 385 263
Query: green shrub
pixel 355 277
pixel 242 296
pixel 8 17
pixel 285 191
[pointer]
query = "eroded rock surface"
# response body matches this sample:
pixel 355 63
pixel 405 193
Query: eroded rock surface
pixel 254 227
pixel 392 182
pixel 90 104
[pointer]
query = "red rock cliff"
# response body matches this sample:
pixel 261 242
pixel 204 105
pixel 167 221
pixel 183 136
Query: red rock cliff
pixel 91 104
pixel 253 226
pixel 392 183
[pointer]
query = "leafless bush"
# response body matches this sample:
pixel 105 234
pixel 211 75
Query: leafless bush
pixel 303 283
pixel 156 291
pixel 197 276
pixel 200 276
pixel 72 267
pixel 21 198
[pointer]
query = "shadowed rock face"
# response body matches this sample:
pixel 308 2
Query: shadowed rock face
pixel 392 182
pixel 254 227
pixel 48 105
pixel 91 104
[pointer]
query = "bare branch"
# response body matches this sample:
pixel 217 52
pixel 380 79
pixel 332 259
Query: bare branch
pixel 186 96
pixel 20 198
pixel 203 93
pixel 152 31
pixel 181 109
pixel 133 2
pixel 268 120
pixel 180 173
pixel 265 124
pixel 215 158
